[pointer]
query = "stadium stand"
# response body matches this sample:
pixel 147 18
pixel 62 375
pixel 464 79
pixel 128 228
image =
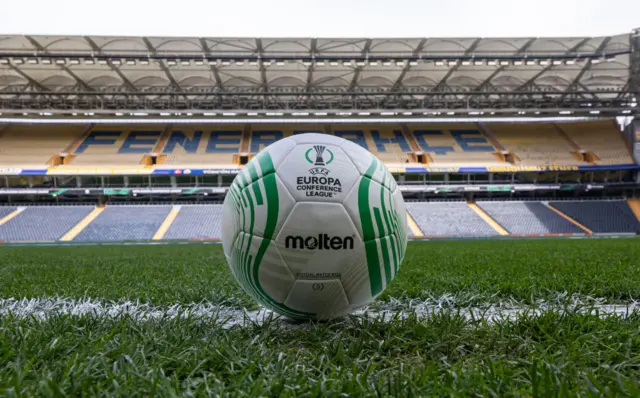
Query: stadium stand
pixel 115 145
pixel 189 146
pixel 601 137
pixel 448 219
pixel 535 143
pixel 196 222
pixel 122 223
pixel 528 218
pixel 25 145
pixel 42 223
pixel 450 145
pixel 387 142
pixel 5 211
pixel 613 216
pixel 193 146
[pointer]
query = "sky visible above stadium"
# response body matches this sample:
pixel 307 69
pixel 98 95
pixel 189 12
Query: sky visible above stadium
pixel 325 18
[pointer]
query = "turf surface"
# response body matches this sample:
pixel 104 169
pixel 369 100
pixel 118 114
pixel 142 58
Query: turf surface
pixel 550 354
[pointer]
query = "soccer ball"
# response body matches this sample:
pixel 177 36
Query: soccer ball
pixel 314 227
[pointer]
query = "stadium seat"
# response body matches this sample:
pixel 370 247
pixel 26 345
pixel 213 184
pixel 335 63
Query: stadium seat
pixel 601 216
pixel 386 141
pixel 455 145
pixel 5 211
pixel 26 145
pixel 526 218
pixel 196 222
pixel 115 146
pixel 448 219
pixel 535 143
pixel 122 223
pixel 42 223
pixel 602 137
pixel 202 146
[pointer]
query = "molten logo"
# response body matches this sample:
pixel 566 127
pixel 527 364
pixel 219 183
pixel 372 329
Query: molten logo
pixel 320 242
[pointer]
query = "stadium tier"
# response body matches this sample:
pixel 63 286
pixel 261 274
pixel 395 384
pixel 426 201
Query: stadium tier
pixel 488 147
pixel 115 223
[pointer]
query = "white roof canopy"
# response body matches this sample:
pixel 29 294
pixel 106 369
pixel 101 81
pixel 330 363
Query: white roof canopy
pixel 51 72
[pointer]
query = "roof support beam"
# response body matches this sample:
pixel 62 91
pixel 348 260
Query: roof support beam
pixel 522 50
pixel 116 70
pixel 164 68
pixel 81 83
pixel 406 68
pixel 576 81
pixel 214 69
pixel 451 71
pixel 312 51
pixel 28 78
pixel 551 66
pixel 263 70
pixel 356 75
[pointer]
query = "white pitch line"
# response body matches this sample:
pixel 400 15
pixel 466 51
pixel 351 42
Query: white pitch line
pixel 228 316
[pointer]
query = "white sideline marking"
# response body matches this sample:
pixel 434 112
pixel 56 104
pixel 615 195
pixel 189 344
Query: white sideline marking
pixel 228 316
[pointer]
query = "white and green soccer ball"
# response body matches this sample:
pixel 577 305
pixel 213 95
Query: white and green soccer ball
pixel 314 227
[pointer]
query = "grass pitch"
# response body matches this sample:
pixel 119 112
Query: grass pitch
pixel 549 348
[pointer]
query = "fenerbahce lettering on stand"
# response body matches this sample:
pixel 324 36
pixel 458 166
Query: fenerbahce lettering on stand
pixel 314 227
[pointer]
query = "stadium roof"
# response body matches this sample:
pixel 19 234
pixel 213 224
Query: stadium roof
pixel 109 75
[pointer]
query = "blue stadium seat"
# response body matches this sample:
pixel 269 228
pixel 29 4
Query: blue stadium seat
pixel 121 223
pixel 197 222
pixel 42 223
pixel 601 216
pixel 448 219
pixel 524 218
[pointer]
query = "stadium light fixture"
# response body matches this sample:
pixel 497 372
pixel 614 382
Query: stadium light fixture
pixel 88 62
pixel 361 63
pixel 439 63
pixel 530 62
pixel 544 62
pixel 413 63
pixel 307 63
pixel 319 63
pixel 253 63
pixel 185 63
pixel 400 63
pixel 240 63
pixel 199 63
pixel 18 61
pixel 347 63
pixel 386 63
pixel 4 61
pixel 466 63
pixel 33 61
pixel 504 63
pixel 571 62
pixel 61 61
pixel 116 62
pixel 227 63
pixel 556 62
pixel 517 63
pixel 478 63
pixel 492 63
pixel 171 62
pixel 595 61
pixel 333 63
pixel 74 61
pixel 280 63
pixel 373 63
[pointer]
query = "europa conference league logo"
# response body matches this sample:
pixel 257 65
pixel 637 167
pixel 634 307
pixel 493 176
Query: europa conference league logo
pixel 320 149
pixel 318 184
